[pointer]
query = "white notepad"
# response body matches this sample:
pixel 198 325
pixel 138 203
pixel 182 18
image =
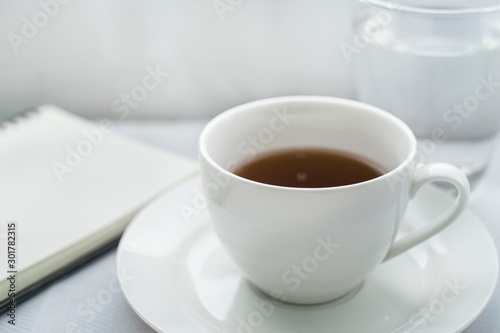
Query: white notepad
pixel 71 186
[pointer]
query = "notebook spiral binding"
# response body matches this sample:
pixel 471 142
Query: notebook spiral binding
pixel 17 119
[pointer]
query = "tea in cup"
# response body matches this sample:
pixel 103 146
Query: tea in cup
pixel 306 193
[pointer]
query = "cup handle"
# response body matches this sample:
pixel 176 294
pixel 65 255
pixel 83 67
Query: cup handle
pixel 426 174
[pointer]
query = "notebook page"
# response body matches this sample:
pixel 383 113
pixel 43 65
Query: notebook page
pixel 63 179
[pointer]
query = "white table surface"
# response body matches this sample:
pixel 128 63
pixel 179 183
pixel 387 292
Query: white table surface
pixel 89 299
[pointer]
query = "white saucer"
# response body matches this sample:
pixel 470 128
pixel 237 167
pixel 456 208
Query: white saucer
pixel 177 278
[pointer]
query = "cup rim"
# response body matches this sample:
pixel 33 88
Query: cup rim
pixel 203 153
pixel 473 10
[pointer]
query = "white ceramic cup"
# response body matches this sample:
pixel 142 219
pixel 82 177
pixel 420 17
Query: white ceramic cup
pixel 313 245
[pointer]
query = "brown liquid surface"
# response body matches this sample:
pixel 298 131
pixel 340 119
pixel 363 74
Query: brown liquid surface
pixel 309 168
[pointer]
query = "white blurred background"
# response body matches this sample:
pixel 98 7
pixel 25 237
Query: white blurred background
pixel 88 56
